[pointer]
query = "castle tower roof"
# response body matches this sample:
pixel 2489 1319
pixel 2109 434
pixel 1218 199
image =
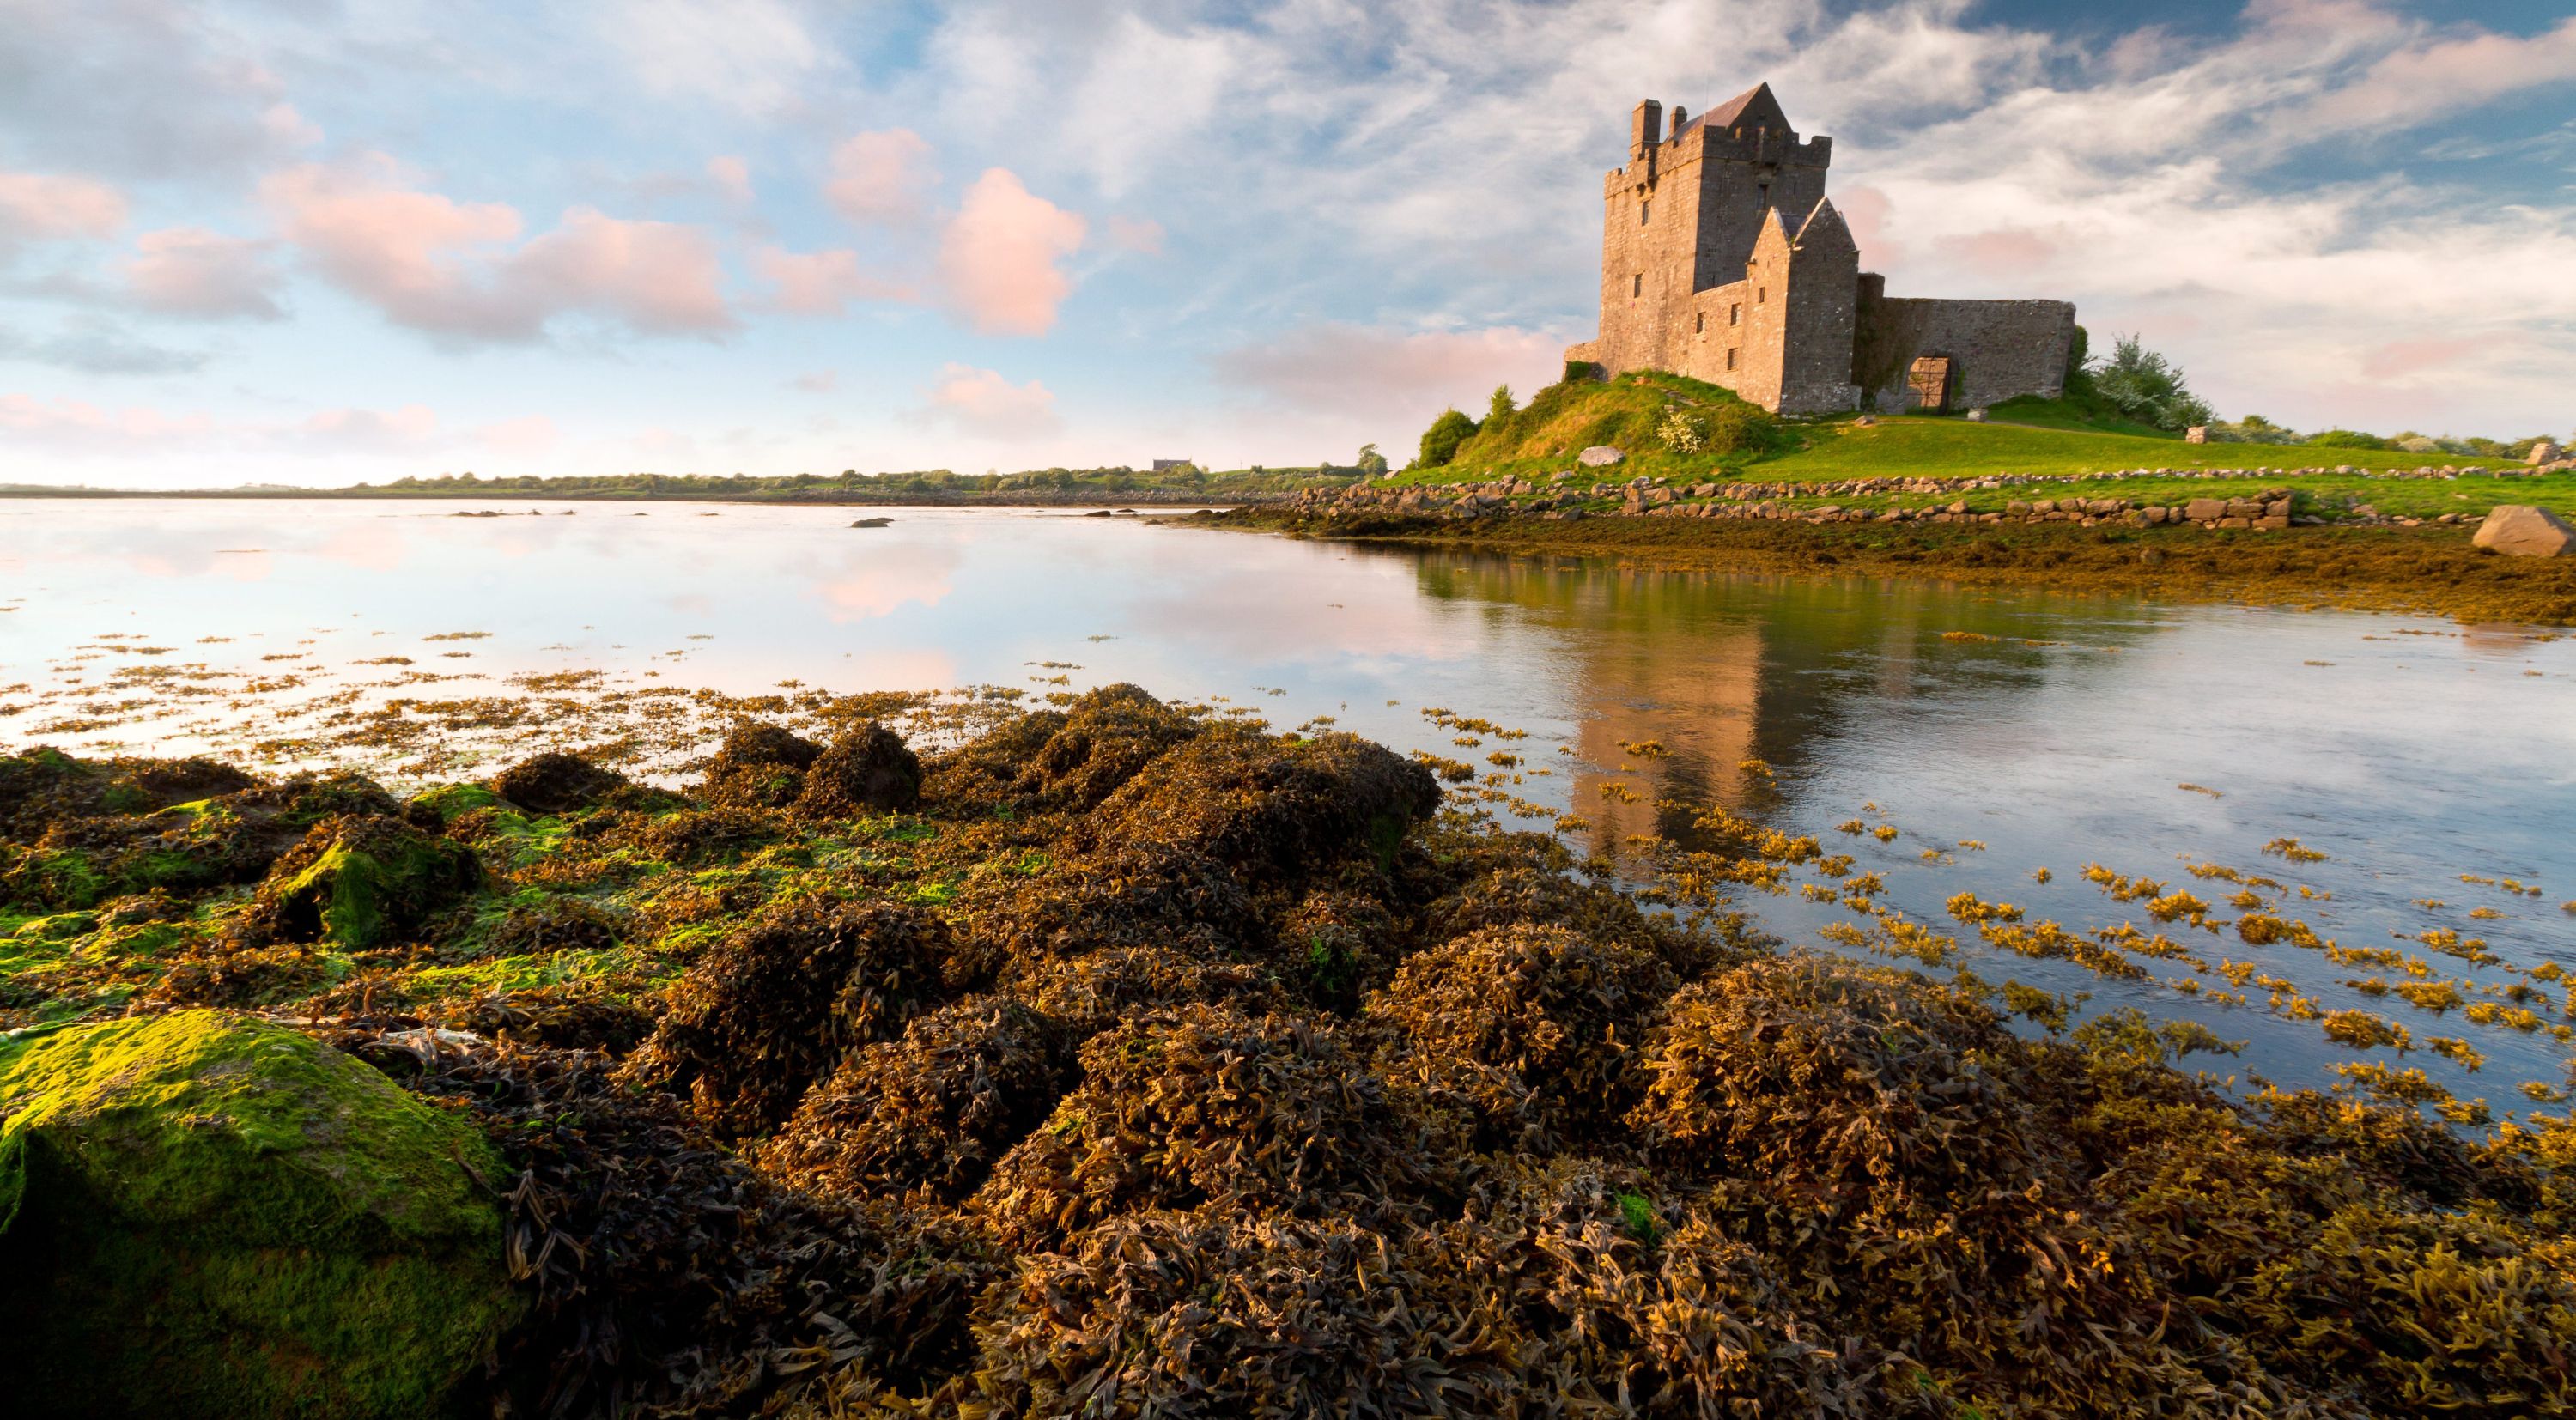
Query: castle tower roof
pixel 1754 108
pixel 1825 228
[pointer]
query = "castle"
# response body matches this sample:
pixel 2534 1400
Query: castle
pixel 1721 259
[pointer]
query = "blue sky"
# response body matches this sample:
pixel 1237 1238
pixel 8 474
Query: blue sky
pixel 305 241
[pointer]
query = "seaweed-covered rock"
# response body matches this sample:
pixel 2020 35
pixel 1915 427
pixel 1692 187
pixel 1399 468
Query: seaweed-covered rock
pixel 208 1215
pixel 932 1110
pixel 1148 896
pixel 44 786
pixel 361 880
pixel 869 770
pixel 1066 760
pixel 773 1007
pixel 1563 1013
pixel 1269 809
pixel 1201 1105
pixel 758 766
pixel 1173 1315
pixel 1091 991
pixel 555 783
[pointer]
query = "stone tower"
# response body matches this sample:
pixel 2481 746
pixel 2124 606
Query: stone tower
pixel 1721 259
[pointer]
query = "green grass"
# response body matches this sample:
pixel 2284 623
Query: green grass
pixel 2026 436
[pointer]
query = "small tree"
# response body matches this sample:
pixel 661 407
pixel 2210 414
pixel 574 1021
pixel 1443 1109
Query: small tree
pixel 1440 442
pixel 1500 406
pixel 1371 462
pixel 2147 387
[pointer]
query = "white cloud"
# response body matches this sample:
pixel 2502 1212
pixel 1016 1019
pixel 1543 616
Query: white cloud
pixel 822 283
pixel 753 55
pixel 882 178
pixel 44 206
pixel 1364 373
pixel 982 404
pixel 191 271
pixel 732 177
pixel 447 268
pixel 1000 255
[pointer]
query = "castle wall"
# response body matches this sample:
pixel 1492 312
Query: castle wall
pixel 1998 349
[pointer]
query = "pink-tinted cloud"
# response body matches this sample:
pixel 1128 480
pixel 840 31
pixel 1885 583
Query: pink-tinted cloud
pixel 2001 250
pixel 534 434
pixel 78 426
pixel 2408 357
pixel 1142 235
pixel 1358 370
pixel 822 283
pixel 191 271
pixel 882 178
pixel 732 177
pixel 2419 82
pixel 982 403
pixel 37 206
pixel 1871 217
pixel 817 381
pixel 437 265
pixel 998 256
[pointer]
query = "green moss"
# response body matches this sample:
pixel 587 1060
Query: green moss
pixel 370 883
pixel 49 877
pixel 212 1215
pixel 453 801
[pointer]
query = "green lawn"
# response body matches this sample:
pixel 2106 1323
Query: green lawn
pixel 1900 445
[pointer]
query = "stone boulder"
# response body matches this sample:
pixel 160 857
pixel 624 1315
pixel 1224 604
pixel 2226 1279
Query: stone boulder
pixel 1599 456
pixel 204 1214
pixel 2204 510
pixel 363 880
pixel 2542 452
pixel 2520 530
pixel 868 770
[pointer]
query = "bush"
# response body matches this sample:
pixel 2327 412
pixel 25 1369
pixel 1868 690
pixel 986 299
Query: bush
pixel 1440 442
pixel 2147 387
pixel 1683 432
pixel 2346 439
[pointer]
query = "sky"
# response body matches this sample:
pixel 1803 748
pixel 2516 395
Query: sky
pixel 313 242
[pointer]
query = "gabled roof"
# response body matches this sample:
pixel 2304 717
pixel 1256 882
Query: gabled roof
pixel 1754 108
pixel 1825 227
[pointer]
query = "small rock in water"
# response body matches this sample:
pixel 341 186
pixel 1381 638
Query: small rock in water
pixel 872 522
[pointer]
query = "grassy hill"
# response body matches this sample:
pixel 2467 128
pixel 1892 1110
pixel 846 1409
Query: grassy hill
pixel 2023 436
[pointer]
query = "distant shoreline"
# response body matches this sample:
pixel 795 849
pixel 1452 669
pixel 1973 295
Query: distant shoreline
pixel 1159 498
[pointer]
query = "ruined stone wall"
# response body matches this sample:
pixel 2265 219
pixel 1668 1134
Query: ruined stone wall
pixel 1997 349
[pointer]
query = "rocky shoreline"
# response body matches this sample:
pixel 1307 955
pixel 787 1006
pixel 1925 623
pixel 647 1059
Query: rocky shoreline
pixel 1128 1062
pixel 1567 497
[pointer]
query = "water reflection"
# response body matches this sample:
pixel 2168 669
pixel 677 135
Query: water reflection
pixel 1991 733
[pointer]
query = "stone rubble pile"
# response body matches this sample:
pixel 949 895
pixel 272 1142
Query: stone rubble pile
pixel 1564 497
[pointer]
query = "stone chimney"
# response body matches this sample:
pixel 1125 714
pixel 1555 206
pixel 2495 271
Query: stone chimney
pixel 1645 129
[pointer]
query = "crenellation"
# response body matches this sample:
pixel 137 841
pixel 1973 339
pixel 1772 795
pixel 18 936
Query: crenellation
pixel 1724 218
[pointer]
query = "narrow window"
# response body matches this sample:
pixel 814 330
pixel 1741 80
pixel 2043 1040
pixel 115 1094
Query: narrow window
pixel 1645 209
pixel 1699 324
pixel 1735 314
pixel 1637 284
pixel 1730 359
pixel 1761 294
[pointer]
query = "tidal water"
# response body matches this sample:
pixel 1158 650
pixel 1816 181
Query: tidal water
pixel 1998 732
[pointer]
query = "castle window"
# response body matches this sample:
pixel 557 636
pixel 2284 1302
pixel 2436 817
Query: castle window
pixel 1735 314
pixel 1761 294
pixel 1699 324
pixel 1637 284
pixel 1730 359
pixel 1645 209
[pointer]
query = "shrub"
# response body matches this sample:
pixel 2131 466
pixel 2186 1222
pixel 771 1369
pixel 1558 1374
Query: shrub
pixel 1440 442
pixel 1740 428
pixel 1683 432
pixel 2346 439
pixel 2147 387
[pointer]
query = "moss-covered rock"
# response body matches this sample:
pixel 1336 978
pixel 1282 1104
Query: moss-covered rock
pixel 205 1214
pixel 364 879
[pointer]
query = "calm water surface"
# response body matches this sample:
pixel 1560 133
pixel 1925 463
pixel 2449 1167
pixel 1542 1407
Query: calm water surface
pixel 2055 733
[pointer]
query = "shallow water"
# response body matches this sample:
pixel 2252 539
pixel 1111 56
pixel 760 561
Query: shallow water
pixel 2057 732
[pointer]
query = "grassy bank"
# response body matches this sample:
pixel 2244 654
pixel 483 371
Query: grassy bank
pixel 2429 570
pixel 1124 1062
pixel 2025 436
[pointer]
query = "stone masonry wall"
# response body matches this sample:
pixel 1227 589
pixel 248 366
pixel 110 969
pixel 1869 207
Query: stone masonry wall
pixel 1997 349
